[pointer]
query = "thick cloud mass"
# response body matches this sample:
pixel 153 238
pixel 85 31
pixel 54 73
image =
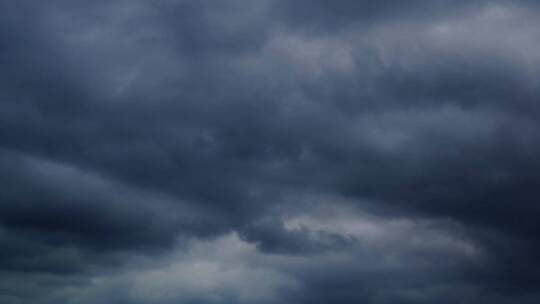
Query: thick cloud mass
pixel 239 151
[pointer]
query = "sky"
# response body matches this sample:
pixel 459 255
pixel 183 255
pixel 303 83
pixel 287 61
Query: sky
pixel 269 152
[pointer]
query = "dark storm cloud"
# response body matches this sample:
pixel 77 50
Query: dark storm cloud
pixel 100 212
pixel 140 138
pixel 271 236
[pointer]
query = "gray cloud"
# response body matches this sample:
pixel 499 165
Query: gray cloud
pixel 269 152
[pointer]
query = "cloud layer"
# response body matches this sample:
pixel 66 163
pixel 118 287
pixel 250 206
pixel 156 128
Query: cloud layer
pixel 179 151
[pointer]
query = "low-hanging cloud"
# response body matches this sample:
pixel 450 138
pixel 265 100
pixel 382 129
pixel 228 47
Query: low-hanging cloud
pixel 269 151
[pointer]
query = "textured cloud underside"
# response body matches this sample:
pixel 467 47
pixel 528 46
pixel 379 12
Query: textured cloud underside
pixel 179 151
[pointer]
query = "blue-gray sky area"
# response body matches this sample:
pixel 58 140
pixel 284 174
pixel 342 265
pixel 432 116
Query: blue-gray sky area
pixel 269 152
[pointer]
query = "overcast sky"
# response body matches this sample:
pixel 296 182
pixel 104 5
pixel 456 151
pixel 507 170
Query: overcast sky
pixel 269 152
